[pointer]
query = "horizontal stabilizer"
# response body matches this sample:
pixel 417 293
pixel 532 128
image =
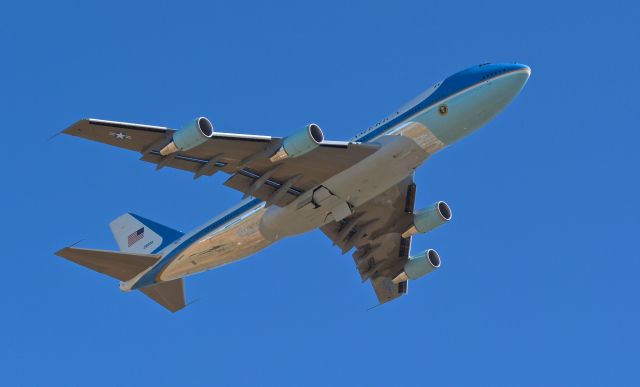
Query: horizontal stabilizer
pixel 124 266
pixel 168 294
pixel 116 264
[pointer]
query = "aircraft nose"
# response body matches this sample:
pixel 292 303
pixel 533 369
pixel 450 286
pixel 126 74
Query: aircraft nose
pixel 519 74
pixel 509 80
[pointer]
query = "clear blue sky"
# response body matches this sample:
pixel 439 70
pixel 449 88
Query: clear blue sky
pixel 538 285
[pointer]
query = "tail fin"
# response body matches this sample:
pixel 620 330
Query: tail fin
pixel 136 234
pixel 124 266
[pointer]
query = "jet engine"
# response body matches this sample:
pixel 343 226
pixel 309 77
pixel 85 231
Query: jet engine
pixel 429 218
pixel 303 141
pixel 190 136
pixel 419 265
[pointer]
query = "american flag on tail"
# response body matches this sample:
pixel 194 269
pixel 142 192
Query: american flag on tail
pixel 136 236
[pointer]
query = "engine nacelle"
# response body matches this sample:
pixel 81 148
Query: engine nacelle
pixel 419 265
pixel 301 142
pixel 190 136
pixel 429 218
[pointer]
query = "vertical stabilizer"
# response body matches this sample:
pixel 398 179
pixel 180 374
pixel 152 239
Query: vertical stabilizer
pixel 136 234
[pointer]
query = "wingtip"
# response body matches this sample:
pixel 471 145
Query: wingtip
pixel 62 250
pixel 74 128
pixel 55 135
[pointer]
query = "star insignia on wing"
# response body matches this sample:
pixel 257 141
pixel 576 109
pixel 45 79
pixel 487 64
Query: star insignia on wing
pixel 120 135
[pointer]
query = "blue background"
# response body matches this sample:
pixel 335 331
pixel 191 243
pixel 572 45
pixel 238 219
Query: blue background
pixel 539 278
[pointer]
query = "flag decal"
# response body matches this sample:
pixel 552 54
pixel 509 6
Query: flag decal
pixel 135 236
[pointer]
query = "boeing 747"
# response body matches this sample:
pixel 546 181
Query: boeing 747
pixel 360 192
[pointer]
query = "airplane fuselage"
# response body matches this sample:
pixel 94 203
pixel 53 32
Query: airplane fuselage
pixel 443 114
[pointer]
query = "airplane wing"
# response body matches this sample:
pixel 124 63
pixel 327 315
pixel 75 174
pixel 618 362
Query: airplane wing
pixel 245 157
pixel 375 229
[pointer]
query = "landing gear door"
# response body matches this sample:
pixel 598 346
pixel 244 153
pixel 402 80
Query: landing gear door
pixel 320 195
pixel 323 202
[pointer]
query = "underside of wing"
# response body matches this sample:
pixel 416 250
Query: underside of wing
pixel 245 157
pixel 125 135
pixel 375 230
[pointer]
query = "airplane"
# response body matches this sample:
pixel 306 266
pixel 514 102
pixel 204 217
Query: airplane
pixel 360 193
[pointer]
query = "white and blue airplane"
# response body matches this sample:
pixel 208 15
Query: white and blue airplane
pixel 360 192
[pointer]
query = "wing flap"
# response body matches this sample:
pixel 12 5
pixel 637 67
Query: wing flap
pixel 176 160
pixel 266 191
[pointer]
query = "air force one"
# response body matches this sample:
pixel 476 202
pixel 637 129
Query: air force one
pixel 360 192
